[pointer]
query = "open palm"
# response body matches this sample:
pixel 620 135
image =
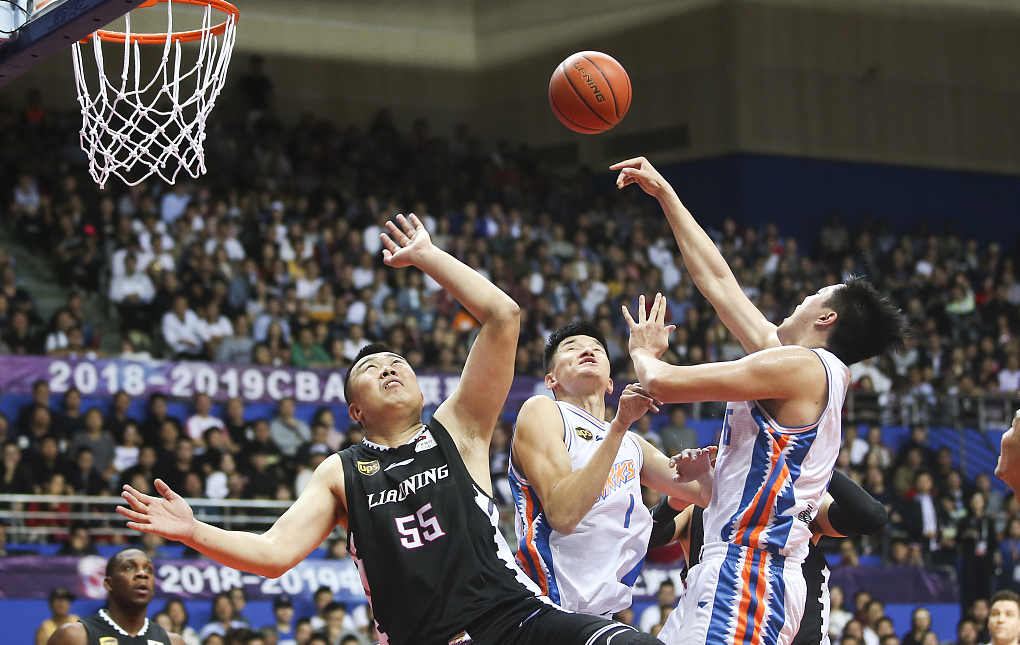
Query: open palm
pixel 404 242
pixel 168 516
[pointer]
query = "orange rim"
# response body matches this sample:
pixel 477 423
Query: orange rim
pixel 184 36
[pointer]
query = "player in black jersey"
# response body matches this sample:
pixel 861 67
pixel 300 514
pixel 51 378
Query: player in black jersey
pixel 847 510
pixel 130 582
pixel 414 497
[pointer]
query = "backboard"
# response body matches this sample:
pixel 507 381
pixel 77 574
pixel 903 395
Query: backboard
pixel 35 30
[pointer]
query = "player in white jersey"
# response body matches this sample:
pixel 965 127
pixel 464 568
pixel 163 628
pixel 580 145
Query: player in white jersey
pixel 781 433
pixel 582 527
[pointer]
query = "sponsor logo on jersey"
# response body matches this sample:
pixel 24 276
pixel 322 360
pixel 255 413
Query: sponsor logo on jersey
pixel 584 433
pixel 806 515
pixel 462 638
pixel 415 482
pixel 621 473
pixel 424 442
pixel 108 640
pixel 368 468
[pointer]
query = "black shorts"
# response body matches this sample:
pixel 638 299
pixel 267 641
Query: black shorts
pixel 538 623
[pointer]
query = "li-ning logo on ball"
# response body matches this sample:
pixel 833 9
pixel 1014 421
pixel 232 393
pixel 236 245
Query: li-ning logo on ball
pixel 590 83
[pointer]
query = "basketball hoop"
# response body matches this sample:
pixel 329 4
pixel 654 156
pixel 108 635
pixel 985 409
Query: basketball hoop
pixel 135 127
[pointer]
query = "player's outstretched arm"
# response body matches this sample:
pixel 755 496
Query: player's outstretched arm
pixel 303 527
pixel 472 411
pixel 790 373
pixel 658 473
pixel 707 267
pixel 541 456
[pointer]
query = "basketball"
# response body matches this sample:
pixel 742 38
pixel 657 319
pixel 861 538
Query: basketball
pixel 589 92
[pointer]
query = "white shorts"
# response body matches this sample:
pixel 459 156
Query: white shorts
pixel 740 596
pixel 670 632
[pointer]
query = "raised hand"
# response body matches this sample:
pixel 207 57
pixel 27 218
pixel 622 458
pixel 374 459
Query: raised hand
pixel 641 172
pixel 404 243
pixel 649 333
pixel 692 463
pixel 169 515
pixel 634 403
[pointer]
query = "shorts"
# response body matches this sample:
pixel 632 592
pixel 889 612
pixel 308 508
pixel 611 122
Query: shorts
pixel 737 595
pixel 670 633
pixel 541 623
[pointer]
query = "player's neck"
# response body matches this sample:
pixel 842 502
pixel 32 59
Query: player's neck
pixel 394 435
pixel 131 621
pixel 593 403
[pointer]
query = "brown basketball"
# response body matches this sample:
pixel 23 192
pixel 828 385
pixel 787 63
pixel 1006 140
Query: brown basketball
pixel 589 92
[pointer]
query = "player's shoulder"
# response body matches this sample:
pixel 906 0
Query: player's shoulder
pixel 69 634
pixel 538 404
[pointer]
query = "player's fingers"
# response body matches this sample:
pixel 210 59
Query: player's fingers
pixel 627 317
pixel 396 232
pixel 133 501
pixel 134 516
pixel 165 490
pixel 388 242
pixel 641 315
pixel 387 257
pixel 652 406
pixel 629 163
pixel 406 225
pixel 141 497
pixel 144 528
pixel 415 222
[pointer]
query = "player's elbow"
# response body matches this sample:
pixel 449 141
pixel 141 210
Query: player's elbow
pixel 875 519
pixel 563 523
pixel 658 386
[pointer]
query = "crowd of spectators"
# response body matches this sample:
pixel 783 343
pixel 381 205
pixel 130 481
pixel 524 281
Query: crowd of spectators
pixel 273 258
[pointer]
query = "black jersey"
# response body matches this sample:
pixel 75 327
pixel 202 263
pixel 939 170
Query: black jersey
pixel 814 624
pixel 425 539
pixel 102 630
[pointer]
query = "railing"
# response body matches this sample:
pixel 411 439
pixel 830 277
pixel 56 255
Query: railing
pixel 981 412
pixel 101 518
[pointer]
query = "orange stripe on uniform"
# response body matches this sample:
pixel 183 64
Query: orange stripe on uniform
pixel 530 515
pixel 778 445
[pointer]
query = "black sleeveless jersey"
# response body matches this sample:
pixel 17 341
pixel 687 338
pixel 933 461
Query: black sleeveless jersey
pixel 816 610
pixel 101 630
pixel 425 540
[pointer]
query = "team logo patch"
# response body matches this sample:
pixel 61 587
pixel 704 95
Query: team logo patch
pixel 368 468
pixel 462 638
pixel 424 442
pixel 584 433
pixel 108 640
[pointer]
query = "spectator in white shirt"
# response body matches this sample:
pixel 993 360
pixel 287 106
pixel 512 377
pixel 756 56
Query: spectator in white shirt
pixel 162 259
pixel 1009 376
pixel 133 286
pixel 308 284
pixel 202 420
pixel 225 239
pixel 56 339
pixel 182 330
pixel 119 257
pixel 216 326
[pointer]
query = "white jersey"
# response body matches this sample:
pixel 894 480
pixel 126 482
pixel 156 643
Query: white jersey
pixel 593 569
pixel 770 480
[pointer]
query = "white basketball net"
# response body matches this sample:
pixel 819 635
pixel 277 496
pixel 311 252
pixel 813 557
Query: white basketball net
pixel 134 127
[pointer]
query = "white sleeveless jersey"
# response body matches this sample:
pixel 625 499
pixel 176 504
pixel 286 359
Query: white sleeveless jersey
pixel 593 569
pixel 770 480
